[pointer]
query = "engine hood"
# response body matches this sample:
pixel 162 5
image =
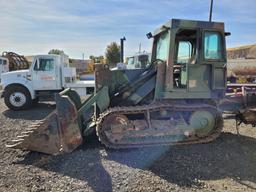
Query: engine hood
pixel 20 77
pixel 18 73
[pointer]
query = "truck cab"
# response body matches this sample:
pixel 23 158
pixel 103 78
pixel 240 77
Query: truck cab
pixel 4 65
pixel 139 60
pixel 45 72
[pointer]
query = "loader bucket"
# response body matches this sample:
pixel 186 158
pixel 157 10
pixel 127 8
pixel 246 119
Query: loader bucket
pixel 58 133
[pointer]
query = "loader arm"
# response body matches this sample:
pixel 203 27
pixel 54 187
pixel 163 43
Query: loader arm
pixel 62 130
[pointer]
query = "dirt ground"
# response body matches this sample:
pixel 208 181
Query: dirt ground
pixel 227 164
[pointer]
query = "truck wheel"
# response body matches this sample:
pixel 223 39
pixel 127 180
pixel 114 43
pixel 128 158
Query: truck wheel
pixel 17 98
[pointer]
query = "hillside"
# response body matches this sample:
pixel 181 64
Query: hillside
pixel 248 52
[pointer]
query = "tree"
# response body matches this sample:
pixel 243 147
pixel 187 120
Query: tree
pixel 101 59
pixel 97 59
pixel 56 51
pixel 92 57
pixel 71 60
pixel 93 60
pixel 90 67
pixel 113 54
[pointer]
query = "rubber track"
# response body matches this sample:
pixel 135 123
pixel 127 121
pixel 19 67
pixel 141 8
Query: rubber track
pixel 154 107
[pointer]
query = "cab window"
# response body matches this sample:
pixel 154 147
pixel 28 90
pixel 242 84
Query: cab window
pixel 213 47
pixel 44 65
pixel 162 46
pixel 143 60
pixel 1 61
pixel 130 61
pixel 184 52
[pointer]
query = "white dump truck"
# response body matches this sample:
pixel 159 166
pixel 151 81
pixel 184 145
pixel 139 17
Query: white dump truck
pixel 47 75
pixel 4 65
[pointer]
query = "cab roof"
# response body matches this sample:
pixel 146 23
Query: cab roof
pixel 182 23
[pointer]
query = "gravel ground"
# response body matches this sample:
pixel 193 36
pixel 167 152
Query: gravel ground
pixel 227 164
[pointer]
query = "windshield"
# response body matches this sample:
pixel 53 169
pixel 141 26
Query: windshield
pixel 143 58
pixel 130 61
pixel 162 46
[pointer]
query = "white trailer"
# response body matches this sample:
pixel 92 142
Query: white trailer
pixel 47 75
pixel 4 65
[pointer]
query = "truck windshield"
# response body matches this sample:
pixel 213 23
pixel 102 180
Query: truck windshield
pixel 130 60
pixel 44 65
pixel 162 46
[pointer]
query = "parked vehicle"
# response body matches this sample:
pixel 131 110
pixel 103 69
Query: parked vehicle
pixel 139 60
pixel 47 75
pixel 4 65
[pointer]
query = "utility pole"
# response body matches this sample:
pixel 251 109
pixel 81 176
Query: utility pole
pixel 210 16
pixel 122 49
pixel 139 47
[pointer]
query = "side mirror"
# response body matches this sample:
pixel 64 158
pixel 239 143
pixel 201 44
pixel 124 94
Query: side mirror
pixel 149 35
pixel 227 34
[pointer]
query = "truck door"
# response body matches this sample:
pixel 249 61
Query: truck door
pixel 44 74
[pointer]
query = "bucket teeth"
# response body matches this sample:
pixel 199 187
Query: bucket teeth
pixel 17 140
pixel 15 145
pixel 30 129
pixel 26 132
pixel 22 136
pixel 35 125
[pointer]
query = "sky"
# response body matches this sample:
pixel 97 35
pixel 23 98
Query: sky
pixel 79 27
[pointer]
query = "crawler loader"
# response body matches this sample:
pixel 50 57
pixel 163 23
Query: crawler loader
pixel 172 101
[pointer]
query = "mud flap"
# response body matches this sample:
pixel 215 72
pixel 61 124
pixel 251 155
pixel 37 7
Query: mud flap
pixel 58 133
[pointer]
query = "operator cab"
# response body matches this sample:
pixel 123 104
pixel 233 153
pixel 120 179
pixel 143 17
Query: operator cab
pixel 195 58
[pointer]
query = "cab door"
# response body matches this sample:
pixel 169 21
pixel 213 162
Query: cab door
pixel 44 74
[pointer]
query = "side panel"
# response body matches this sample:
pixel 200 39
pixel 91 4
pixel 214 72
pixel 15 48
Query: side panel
pixel 199 78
